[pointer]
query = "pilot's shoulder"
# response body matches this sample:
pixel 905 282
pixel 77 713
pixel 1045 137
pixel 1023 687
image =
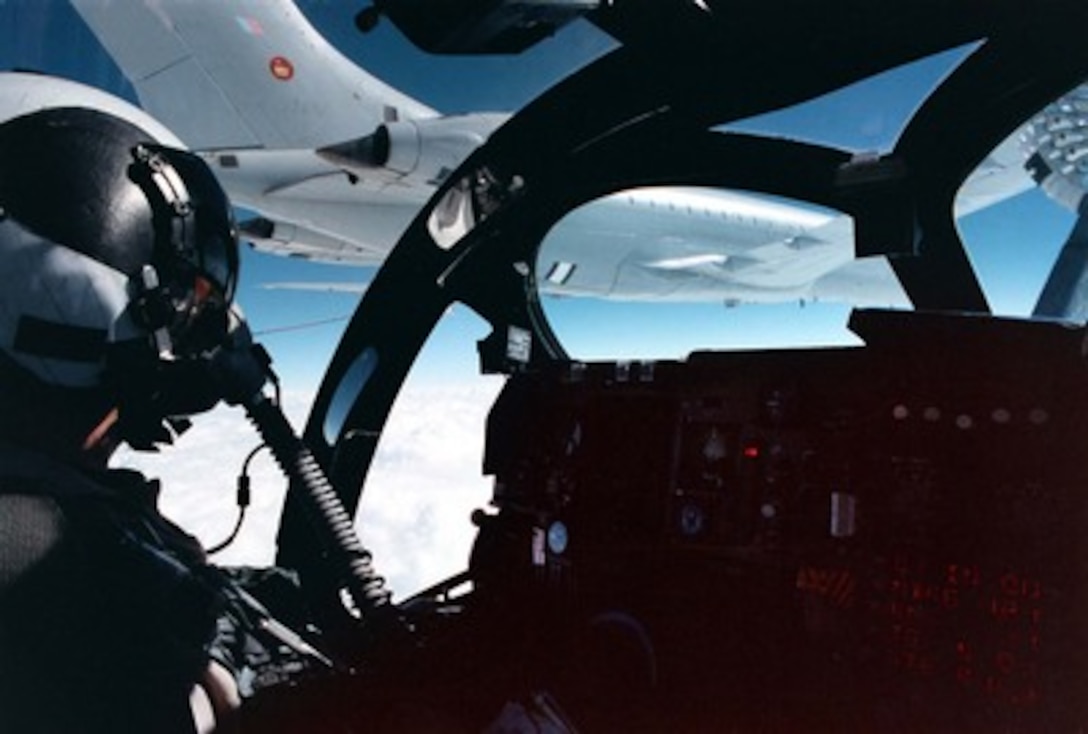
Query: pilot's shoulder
pixel 32 527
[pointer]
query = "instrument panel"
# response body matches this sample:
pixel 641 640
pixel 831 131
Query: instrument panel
pixel 886 536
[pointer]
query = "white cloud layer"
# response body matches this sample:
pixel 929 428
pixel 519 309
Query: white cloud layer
pixel 414 515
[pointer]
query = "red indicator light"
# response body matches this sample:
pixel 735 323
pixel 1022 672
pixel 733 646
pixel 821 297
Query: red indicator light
pixel 751 452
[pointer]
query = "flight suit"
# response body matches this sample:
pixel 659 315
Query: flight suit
pixel 107 610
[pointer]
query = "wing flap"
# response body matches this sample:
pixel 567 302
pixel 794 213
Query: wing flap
pixel 291 240
pixel 170 95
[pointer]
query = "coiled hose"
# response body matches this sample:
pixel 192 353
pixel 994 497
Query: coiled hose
pixel 364 584
pixel 241 369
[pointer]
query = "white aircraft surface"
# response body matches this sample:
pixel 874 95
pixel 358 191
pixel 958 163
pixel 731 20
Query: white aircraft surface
pixel 269 101
pixel 337 163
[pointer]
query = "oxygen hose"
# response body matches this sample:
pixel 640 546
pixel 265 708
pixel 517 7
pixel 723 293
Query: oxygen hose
pixel 366 587
pixel 242 369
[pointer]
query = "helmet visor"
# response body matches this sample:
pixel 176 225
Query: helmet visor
pixel 196 250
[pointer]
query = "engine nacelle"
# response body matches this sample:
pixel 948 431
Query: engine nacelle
pixel 1056 143
pixel 423 150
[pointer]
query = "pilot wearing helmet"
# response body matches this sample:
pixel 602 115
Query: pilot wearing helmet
pixel 119 268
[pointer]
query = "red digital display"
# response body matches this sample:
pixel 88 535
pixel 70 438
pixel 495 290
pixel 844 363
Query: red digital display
pixel 966 643
pixel 979 628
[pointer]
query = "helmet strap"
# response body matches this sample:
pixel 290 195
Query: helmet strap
pixel 153 309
